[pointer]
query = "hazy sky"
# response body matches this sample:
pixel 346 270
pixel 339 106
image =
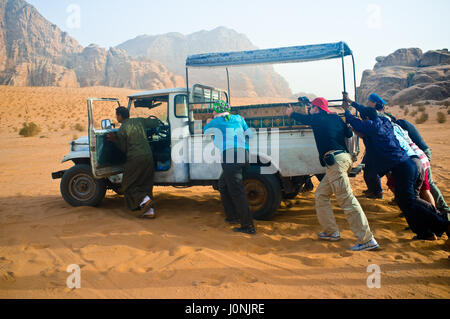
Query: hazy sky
pixel 370 28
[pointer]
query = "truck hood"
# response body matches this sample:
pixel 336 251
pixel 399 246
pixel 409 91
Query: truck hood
pixel 79 145
pixel 84 140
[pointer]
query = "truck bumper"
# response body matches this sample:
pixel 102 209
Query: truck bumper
pixel 58 175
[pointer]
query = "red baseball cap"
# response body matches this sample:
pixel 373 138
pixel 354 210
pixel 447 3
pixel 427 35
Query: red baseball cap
pixel 321 103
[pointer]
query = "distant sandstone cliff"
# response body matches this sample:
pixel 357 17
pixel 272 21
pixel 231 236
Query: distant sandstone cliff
pixel 172 49
pixel 34 52
pixel 408 76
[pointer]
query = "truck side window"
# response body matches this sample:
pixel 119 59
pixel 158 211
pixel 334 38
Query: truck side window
pixel 181 106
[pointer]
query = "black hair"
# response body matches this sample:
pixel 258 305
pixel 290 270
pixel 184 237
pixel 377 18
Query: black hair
pixel 369 112
pixel 123 111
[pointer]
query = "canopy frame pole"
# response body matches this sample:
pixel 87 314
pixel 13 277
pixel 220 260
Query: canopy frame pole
pixel 354 77
pixel 228 82
pixel 343 72
pixel 358 150
pixel 187 82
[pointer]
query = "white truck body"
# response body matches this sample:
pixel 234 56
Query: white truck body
pixel 275 172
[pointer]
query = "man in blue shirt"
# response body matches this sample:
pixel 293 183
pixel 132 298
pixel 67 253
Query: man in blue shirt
pixel 386 155
pixel 230 132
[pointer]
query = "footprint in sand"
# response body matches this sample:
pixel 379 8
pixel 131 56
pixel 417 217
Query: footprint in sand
pixel 166 274
pixel 216 280
pixel 3 260
pixel 310 261
pixel 246 277
pixel 259 250
pixel 8 276
pixel 39 246
pixel 149 269
pixel 213 280
pixel 14 218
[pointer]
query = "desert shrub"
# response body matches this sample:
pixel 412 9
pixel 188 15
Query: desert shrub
pixel 421 108
pixel 79 127
pixel 402 106
pixel 406 111
pixel 63 126
pixel 422 118
pixel 29 129
pixel 448 111
pixel 414 113
pixel 441 117
pixel 447 103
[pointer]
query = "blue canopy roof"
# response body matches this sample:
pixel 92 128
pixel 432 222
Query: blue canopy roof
pixel 271 56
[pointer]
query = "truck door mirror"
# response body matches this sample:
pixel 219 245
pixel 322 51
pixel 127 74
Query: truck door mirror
pixel 106 124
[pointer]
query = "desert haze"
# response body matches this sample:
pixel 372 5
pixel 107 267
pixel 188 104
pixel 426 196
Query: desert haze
pixel 188 251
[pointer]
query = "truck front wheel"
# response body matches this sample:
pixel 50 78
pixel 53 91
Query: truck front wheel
pixel 263 193
pixel 80 188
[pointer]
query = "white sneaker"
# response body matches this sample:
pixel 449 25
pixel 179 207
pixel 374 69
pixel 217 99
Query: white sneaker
pixel 332 237
pixel 150 214
pixel 370 245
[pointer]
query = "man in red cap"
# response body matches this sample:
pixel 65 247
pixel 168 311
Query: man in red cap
pixel 330 133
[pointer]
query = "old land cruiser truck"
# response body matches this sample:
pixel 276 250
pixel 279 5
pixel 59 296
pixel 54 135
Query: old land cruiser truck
pixel 178 142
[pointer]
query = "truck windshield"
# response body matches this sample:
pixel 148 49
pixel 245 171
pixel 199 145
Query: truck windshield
pixel 150 106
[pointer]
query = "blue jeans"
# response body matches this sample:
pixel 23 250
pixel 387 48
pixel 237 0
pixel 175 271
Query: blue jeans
pixel 372 179
pixel 421 216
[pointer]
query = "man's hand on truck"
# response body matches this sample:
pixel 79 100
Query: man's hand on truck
pixel 289 110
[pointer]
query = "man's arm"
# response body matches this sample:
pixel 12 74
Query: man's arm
pixel 347 101
pixel 305 119
pixel 359 126
pixel 150 123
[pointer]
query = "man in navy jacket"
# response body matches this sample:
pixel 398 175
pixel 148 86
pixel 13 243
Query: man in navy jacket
pixel 386 155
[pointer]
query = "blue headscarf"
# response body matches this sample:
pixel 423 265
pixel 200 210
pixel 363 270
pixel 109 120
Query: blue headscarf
pixel 380 103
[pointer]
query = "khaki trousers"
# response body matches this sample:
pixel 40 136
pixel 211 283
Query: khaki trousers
pixel 336 181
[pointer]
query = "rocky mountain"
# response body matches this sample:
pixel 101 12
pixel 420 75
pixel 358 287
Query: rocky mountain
pixel 408 76
pixel 172 50
pixel 96 66
pixel 34 52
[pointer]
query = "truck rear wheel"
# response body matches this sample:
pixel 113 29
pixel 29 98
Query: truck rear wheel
pixel 80 188
pixel 263 193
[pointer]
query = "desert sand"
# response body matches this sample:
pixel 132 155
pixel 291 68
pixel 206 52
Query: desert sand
pixel 188 251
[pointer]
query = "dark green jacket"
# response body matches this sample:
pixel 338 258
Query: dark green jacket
pixel 132 137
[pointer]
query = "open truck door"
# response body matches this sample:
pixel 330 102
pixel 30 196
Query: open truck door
pixel 106 159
